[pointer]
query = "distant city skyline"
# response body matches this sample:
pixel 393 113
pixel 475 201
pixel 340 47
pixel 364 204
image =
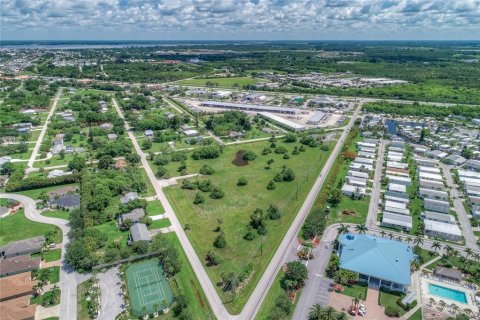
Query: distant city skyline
pixel 240 20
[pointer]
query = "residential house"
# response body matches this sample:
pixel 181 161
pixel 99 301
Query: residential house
pixel 138 232
pixel 22 247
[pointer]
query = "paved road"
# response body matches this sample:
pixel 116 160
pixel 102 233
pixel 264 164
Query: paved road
pixel 111 296
pixel 377 187
pixel 254 303
pixel 316 288
pixel 455 195
pixel 68 277
pixel 44 129
pixel 215 302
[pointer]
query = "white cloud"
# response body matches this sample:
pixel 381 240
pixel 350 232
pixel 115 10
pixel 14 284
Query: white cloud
pixel 239 19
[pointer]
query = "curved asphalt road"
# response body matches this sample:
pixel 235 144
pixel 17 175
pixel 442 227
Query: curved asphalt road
pixel 68 277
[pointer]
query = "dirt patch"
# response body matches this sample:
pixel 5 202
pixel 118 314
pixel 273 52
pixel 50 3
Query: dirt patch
pixel 349 212
pixel 239 161
pixel 197 294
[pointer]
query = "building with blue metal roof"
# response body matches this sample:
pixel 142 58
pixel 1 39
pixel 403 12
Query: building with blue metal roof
pixel 380 262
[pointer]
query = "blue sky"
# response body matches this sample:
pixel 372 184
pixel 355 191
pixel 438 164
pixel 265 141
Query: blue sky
pixel 240 19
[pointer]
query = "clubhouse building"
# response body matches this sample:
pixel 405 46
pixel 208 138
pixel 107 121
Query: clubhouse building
pixel 380 262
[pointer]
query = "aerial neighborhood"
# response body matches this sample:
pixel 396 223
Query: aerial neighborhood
pixel 240 181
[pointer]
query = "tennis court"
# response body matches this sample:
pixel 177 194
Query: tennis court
pixel 148 287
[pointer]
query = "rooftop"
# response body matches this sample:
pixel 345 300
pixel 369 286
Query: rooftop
pixel 392 258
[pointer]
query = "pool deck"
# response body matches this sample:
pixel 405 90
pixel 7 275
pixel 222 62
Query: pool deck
pixel 425 294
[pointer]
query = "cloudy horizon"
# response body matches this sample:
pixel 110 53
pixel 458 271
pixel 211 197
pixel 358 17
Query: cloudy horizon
pixel 240 20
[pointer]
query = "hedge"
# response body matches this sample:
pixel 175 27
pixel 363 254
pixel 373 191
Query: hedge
pixel 40 182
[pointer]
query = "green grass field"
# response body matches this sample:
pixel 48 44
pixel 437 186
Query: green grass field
pixel 35 193
pixel 187 283
pixel 52 255
pixel 56 214
pixel 154 208
pixel 390 299
pixel 239 203
pixel 222 82
pixel 417 315
pixel 54 275
pixel 17 227
pixel 158 224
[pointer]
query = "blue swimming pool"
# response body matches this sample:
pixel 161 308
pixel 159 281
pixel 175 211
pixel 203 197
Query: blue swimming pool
pixel 447 293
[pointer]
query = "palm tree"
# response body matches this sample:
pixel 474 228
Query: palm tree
pixel 383 233
pixel 442 304
pixel 342 229
pixel 418 240
pixel 455 253
pixel 468 252
pixel 408 239
pixel 431 302
pixel 468 312
pixel 399 238
pixel 390 236
pixel 361 228
pixel 454 307
pixel 448 248
pixel 476 256
pixel 329 313
pixel 316 312
pixel 342 316
pixel 436 246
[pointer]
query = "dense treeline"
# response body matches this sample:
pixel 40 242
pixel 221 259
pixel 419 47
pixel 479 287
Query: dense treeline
pixel 416 109
pixel 228 121
pixel 14 184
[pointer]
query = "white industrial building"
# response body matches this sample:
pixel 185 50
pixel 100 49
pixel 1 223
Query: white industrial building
pixel 248 107
pixel 317 117
pixel 283 122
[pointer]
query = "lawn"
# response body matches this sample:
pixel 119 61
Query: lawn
pixel 417 315
pixel 17 227
pixel 56 160
pixel 35 193
pixel 390 299
pixel 158 224
pixel 56 214
pixel 360 206
pixel 239 203
pixel 82 307
pixel 358 290
pixel 52 255
pixel 154 208
pixel 187 283
pixel 150 190
pixel 222 82
pixel 54 275
pixel 273 294
pixel 113 232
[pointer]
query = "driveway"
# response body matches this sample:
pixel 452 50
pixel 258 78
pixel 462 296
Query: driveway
pixel 111 296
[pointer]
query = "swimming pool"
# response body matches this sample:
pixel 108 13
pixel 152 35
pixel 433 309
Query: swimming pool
pixel 447 293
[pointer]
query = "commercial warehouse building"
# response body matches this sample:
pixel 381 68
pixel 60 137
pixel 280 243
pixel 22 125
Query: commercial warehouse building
pixel 248 107
pixel 317 117
pixel 282 122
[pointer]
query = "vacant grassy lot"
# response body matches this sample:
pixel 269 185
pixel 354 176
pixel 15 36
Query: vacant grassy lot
pixel 17 227
pixel 154 208
pixel 238 205
pixel 35 193
pixel 222 82
pixel 158 224
pixel 187 283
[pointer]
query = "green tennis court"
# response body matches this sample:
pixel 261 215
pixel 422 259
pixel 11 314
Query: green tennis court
pixel 148 287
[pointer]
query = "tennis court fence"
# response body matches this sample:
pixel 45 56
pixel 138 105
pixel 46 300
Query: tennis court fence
pixel 129 259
